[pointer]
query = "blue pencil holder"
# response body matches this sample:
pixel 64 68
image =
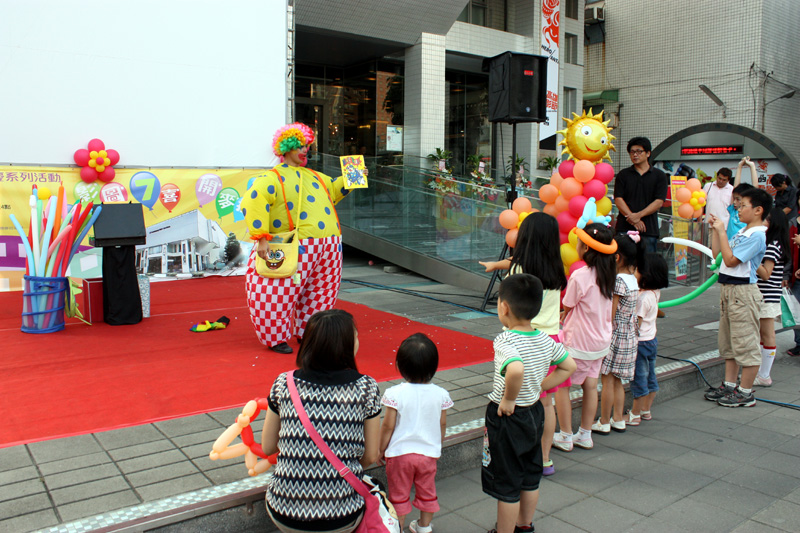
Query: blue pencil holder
pixel 43 304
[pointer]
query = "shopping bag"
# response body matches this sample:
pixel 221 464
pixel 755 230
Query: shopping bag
pixel 790 309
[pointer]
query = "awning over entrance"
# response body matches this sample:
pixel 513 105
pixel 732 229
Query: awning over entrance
pixel 404 20
pixel 601 97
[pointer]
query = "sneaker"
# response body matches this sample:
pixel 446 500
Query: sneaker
pixel 794 352
pixel 562 443
pixel 548 469
pixel 712 395
pixel 646 415
pixel 525 529
pixel 598 427
pixel 737 398
pixel 762 382
pixel 634 420
pixel 416 528
pixel 619 427
pixel 583 442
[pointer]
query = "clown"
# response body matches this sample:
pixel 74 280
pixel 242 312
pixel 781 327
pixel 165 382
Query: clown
pixel 289 196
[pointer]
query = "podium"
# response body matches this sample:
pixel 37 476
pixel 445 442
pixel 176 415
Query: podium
pixel 118 229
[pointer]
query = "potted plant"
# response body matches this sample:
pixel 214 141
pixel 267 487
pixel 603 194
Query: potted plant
pixel 549 163
pixel 517 168
pixel 441 160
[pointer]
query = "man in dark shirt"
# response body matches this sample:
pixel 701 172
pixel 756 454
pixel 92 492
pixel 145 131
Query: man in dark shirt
pixel 639 192
pixel 785 195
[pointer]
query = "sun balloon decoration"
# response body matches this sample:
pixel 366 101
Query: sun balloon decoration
pixel 587 137
pixel 580 180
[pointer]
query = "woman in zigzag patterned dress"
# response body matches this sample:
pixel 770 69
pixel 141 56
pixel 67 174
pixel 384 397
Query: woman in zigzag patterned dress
pixel 305 492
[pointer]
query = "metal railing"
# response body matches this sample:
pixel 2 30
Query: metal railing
pixel 410 205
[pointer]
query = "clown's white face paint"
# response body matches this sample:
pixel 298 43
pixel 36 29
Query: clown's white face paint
pixel 296 157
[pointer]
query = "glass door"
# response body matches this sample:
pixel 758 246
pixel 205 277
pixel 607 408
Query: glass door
pixel 311 112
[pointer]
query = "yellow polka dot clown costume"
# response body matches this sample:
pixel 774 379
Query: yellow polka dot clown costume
pixel 286 197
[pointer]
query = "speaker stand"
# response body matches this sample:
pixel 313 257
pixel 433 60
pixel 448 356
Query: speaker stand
pixel 494 277
pixel 511 195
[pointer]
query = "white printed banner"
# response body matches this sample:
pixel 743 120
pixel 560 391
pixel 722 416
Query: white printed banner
pixel 551 15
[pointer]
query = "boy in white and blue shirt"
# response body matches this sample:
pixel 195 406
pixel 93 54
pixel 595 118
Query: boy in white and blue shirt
pixel 740 298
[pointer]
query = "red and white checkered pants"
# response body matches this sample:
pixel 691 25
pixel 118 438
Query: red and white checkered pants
pixel 279 305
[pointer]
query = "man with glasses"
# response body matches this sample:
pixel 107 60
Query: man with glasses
pixel 639 192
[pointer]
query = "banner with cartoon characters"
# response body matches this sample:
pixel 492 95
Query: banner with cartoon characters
pixel 211 195
pixel 680 229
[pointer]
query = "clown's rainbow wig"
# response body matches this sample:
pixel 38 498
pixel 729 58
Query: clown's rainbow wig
pixel 291 137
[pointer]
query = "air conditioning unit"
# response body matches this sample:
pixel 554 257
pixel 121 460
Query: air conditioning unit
pixel 594 14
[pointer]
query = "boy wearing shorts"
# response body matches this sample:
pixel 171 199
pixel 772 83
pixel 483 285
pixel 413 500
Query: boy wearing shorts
pixel 512 453
pixel 740 299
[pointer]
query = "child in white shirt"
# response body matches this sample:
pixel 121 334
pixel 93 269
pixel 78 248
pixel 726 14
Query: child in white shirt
pixel 412 431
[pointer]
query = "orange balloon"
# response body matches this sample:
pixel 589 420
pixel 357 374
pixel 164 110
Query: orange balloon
pixel 697 213
pixel 509 219
pixel 685 211
pixel 534 210
pixel 556 179
pixel 550 209
pixel 562 204
pixel 694 185
pixel 583 171
pixel 683 195
pixel 548 193
pixel 522 205
pixel 571 187
pixel 511 237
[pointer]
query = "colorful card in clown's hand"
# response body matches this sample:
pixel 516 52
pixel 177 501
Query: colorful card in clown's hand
pixel 354 171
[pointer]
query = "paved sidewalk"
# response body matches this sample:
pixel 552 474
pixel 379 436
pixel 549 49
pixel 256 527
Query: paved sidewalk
pixel 695 467
pixel 146 469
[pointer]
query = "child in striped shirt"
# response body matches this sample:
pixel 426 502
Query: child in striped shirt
pixel 512 451
pixel 770 281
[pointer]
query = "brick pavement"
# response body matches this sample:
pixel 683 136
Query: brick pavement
pixel 144 469
pixel 695 467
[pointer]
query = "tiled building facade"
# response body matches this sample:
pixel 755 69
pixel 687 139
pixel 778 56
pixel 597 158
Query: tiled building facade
pixel 658 53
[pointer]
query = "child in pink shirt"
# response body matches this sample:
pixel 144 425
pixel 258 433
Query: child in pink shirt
pixel 587 328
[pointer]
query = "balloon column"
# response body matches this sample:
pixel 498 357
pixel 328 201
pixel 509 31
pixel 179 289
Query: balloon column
pixel 251 450
pixel 96 162
pixel 584 177
pixel 511 219
pixel 692 198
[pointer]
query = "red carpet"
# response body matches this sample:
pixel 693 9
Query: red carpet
pixel 92 378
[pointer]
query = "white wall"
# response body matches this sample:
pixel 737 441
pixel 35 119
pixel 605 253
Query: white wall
pixel 197 83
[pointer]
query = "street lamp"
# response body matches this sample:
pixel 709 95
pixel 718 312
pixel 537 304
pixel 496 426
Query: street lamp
pixel 787 95
pixel 714 98
pixel 765 104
